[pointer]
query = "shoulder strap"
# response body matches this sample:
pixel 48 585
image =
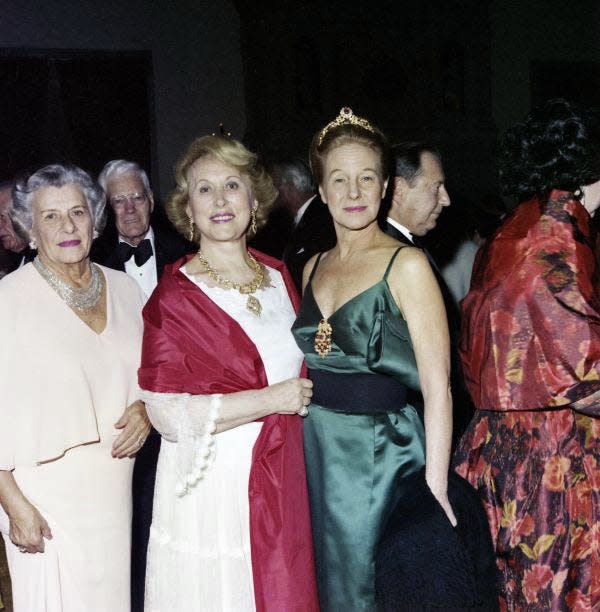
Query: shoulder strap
pixel 312 272
pixel 389 266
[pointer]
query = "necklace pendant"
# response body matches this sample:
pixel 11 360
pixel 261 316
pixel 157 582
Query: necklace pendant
pixel 323 338
pixel 253 305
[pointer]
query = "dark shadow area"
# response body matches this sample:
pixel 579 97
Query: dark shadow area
pixel 82 107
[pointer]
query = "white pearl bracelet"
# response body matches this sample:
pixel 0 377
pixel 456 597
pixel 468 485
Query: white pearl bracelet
pixel 204 453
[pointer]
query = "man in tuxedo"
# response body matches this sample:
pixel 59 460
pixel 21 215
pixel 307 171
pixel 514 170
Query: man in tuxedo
pixel 141 248
pixel 312 230
pixel 418 198
pixel 15 246
pixel 419 193
pixel 300 224
pixel 136 240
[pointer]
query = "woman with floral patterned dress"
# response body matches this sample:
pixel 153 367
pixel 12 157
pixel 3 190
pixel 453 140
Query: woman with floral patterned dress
pixel 531 354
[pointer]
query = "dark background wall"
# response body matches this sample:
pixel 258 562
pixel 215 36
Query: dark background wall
pixel 421 73
pixel 457 72
pixel 563 36
pixel 195 75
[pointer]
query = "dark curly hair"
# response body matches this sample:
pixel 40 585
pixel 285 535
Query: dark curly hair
pixel 557 146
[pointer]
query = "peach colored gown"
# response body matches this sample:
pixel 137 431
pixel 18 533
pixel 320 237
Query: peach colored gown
pixel 63 388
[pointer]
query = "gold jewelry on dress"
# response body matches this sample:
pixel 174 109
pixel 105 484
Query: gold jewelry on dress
pixel 252 303
pixel 191 230
pixel 346 116
pixel 323 338
pixel 253 220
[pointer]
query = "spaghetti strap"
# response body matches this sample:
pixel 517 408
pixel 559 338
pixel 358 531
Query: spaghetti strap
pixel 389 266
pixel 312 272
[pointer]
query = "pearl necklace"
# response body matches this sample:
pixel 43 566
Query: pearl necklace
pixel 78 299
pixel 252 303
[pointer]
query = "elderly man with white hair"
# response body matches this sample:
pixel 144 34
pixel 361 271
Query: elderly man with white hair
pixel 136 242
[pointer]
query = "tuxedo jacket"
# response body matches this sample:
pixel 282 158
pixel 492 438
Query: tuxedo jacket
pixel 462 406
pixel 273 238
pixel 12 261
pixel 168 247
pixel 313 234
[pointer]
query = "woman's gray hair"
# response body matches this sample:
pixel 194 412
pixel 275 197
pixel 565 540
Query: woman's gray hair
pixel 57 175
pixel 122 167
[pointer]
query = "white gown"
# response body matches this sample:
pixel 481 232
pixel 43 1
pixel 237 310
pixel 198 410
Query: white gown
pixel 199 550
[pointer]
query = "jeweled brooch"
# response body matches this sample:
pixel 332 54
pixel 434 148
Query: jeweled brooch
pixel 323 338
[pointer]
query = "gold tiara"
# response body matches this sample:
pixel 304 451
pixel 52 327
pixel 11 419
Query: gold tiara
pixel 222 131
pixel 346 116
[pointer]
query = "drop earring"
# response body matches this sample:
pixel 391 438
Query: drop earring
pixel 253 220
pixel 191 229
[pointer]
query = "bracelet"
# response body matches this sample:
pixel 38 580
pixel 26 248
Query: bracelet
pixel 204 454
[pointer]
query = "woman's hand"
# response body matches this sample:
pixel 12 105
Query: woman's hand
pixel 136 426
pixel 289 396
pixel 28 528
pixel 444 502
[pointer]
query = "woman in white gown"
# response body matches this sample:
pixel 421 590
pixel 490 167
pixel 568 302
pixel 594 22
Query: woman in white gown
pixel 221 374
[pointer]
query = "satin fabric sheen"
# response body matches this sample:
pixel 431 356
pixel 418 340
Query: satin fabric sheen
pixel 531 353
pixel 356 463
pixel 192 346
pixel 531 332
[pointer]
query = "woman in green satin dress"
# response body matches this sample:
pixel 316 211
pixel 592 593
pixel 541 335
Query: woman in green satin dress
pixel 372 324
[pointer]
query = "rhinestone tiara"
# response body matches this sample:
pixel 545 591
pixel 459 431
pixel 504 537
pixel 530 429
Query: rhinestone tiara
pixel 346 116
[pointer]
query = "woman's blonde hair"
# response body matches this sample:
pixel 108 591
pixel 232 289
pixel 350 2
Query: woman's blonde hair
pixel 230 152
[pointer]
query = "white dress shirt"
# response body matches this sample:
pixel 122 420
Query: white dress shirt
pixel 400 228
pixel 302 210
pixel 146 275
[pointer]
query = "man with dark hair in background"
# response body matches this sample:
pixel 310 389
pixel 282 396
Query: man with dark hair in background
pixel 418 198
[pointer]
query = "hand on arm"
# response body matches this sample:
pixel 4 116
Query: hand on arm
pixel 28 528
pixel 286 397
pixel 136 426
pixel 191 420
pixel 418 296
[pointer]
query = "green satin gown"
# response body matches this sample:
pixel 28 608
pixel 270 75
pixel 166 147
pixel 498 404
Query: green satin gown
pixel 356 463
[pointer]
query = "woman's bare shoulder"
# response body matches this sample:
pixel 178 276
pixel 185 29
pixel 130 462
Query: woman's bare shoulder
pixel 310 264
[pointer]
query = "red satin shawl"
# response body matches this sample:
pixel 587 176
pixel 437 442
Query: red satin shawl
pixel 192 346
pixel 531 321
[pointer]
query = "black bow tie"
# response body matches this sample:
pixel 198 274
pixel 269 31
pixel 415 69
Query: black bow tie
pixel 141 253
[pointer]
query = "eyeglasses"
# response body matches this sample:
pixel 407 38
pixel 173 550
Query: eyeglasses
pixel 137 199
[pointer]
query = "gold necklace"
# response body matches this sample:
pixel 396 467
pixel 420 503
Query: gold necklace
pixel 252 303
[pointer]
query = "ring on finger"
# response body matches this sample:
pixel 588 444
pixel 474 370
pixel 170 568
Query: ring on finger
pixel 140 440
pixel 22 549
pixel 303 412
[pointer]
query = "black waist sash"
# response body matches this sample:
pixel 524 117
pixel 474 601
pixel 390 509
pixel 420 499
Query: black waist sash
pixel 357 393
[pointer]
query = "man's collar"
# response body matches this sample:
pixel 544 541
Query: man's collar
pixel 302 209
pixel 149 235
pixel 400 228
